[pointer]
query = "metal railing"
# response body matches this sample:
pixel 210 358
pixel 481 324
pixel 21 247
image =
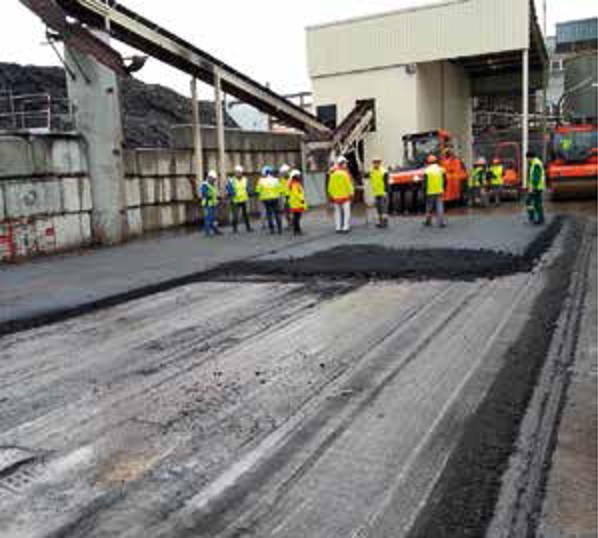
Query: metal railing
pixel 37 112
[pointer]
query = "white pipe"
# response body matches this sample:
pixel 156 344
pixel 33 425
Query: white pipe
pixel 525 117
pixel 197 145
pixel 220 128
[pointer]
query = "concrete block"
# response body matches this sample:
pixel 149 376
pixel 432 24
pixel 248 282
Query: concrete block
pixel 68 231
pixel 16 158
pixel 71 194
pixel 130 162
pixel 45 232
pixel 24 238
pixel 135 221
pixel 183 163
pixel 133 192
pixel 193 212
pixel 151 218
pixel 166 162
pixel 68 157
pixel 165 190
pixel 183 189
pixel 26 198
pixel 86 201
pixel 148 190
pixel 85 222
pixel 166 216
pixel 211 162
pixel 182 216
pixel 147 163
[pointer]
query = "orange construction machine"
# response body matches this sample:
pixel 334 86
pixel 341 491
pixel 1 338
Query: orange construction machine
pixel 573 167
pixel 417 147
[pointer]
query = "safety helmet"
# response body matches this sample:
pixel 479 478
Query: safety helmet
pixel 295 173
pixel 431 159
pixel 376 160
pixel 212 174
pixel 342 160
pixel 267 171
pixel 238 169
pixel 481 162
pixel 284 169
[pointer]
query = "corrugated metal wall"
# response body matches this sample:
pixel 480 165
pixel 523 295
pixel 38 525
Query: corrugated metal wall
pixel 453 29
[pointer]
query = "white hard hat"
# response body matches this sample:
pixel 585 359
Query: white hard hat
pixel 296 173
pixel 376 160
pixel 341 160
pixel 285 169
pixel 212 174
pixel 239 169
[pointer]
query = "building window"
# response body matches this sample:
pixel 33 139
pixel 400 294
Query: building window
pixel 328 115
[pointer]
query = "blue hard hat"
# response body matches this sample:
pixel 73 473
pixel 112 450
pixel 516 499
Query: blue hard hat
pixel 267 171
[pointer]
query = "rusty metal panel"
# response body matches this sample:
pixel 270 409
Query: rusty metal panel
pixel 454 29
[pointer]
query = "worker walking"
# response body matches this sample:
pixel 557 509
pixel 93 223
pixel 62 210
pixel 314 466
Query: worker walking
pixel 297 204
pixel 536 185
pixel 208 193
pixel 268 191
pixel 434 187
pixel 477 178
pixel 237 189
pixel 379 187
pixel 283 179
pixel 496 173
pixel 340 193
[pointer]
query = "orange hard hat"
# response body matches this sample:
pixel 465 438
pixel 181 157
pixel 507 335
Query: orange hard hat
pixel 431 159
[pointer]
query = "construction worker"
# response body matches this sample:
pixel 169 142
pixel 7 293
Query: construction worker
pixel 536 185
pixel 237 189
pixel 283 178
pixel 208 193
pixel 340 193
pixel 379 187
pixel 497 182
pixel 434 187
pixel 477 178
pixel 268 191
pixel 297 204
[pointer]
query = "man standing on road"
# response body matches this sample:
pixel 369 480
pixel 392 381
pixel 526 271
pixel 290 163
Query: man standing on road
pixel 477 178
pixel 283 180
pixel 379 187
pixel 297 204
pixel 340 193
pixel 208 193
pixel 268 191
pixel 434 186
pixel 496 182
pixel 536 185
pixel 238 193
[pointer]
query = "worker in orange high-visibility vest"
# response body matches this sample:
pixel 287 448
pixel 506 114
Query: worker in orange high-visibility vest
pixel 297 204
pixel 434 187
pixel 340 193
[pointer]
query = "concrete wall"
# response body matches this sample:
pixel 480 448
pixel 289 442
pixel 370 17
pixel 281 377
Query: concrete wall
pixel 396 112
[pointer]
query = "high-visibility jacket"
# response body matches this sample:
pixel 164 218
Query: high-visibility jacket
pixel 238 189
pixel 434 180
pixel 340 186
pixel 208 194
pixel 268 188
pixel 378 186
pixel 297 202
pixel 477 177
pixel 284 186
pixel 497 172
pixel 536 178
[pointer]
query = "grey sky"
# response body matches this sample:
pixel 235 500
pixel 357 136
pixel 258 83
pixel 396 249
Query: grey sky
pixel 263 38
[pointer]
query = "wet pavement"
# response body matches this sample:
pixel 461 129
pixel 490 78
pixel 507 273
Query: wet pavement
pixel 241 408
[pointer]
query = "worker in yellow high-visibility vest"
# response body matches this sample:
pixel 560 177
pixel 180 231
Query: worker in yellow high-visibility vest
pixel 496 182
pixel 535 187
pixel 237 189
pixel 268 191
pixel 297 203
pixel 477 180
pixel 340 191
pixel 378 180
pixel 434 187
pixel 283 178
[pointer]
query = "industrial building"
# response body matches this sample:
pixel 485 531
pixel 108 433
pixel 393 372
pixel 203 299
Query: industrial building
pixel 422 67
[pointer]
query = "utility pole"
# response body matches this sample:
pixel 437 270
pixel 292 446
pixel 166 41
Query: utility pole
pixel 525 116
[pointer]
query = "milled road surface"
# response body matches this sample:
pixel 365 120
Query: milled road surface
pixel 236 409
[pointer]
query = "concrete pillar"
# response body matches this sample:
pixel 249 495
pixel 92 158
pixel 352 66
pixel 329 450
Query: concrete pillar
pixel 197 144
pixel 525 116
pixel 218 103
pixel 96 98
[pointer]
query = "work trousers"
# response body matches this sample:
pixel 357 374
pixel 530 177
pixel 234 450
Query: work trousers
pixel 494 194
pixel 535 207
pixel 435 205
pixel 273 215
pixel 242 208
pixel 209 221
pixel 381 206
pixel 342 216
pixel 296 222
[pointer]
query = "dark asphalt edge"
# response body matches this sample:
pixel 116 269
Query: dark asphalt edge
pixel 463 501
